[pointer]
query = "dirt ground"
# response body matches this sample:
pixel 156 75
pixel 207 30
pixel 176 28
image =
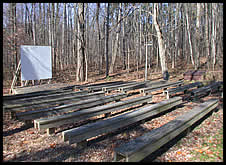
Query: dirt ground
pixel 21 143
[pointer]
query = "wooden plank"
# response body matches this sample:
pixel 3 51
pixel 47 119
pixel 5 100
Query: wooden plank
pixel 90 112
pixel 98 84
pixel 160 86
pixel 29 115
pixel 15 77
pixel 143 146
pixel 43 87
pixel 181 88
pixel 206 89
pixel 53 95
pixel 153 83
pixel 32 94
pixel 133 87
pixel 113 87
pixel 149 83
pixel 99 87
pixel 15 107
pixel 90 130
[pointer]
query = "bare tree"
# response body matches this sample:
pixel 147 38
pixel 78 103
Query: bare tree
pixel 206 34
pixel 116 43
pixel 80 74
pixel 213 36
pixel 106 39
pixel 189 34
pixel 160 40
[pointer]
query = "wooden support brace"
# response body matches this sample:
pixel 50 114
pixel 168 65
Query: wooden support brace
pixel 164 89
pixel 166 93
pixel 13 115
pixel 185 91
pixel 28 122
pixel 50 131
pixel 35 125
pixel 108 114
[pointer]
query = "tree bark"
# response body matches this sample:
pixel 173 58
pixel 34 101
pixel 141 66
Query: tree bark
pixel 106 39
pixel 213 37
pixel 116 43
pixel 189 35
pixel 160 40
pixel 80 75
pixel 207 35
pixel 197 36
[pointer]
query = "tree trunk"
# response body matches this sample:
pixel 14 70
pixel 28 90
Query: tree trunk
pixel 98 38
pixel 116 43
pixel 176 35
pixel 197 40
pixel 160 40
pixel 140 38
pixel 87 42
pixel 80 75
pixel 63 39
pixel 189 35
pixel 106 39
pixel 34 23
pixel 206 34
pixel 213 37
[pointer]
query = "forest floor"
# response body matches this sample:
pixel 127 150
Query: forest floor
pixel 204 143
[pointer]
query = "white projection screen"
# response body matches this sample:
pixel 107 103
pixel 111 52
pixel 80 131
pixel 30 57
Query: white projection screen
pixel 36 62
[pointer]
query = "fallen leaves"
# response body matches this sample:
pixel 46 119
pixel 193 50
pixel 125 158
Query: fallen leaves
pixel 31 132
pixel 25 142
pixel 179 152
pixel 53 145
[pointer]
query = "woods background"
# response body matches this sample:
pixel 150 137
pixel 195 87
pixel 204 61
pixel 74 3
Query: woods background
pixel 107 37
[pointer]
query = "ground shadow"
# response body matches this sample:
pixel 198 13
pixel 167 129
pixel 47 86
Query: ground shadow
pixel 55 154
pixel 13 131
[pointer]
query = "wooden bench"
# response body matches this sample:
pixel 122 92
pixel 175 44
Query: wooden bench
pixel 139 148
pixel 99 87
pixel 115 87
pixel 31 115
pixel 149 83
pixel 181 89
pixel 33 94
pixel 80 134
pixel 82 87
pixel 133 86
pixel 51 123
pixel 53 95
pixel 205 90
pixel 42 103
pixel 156 87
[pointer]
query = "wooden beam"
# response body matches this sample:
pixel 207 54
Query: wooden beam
pixel 138 149
pixel 109 125
pixel 111 88
pixel 160 86
pixel 84 114
pixel 32 94
pixel 52 95
pixel 21 105
pixel 133 87
pixel 181 88
pixel 30 115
